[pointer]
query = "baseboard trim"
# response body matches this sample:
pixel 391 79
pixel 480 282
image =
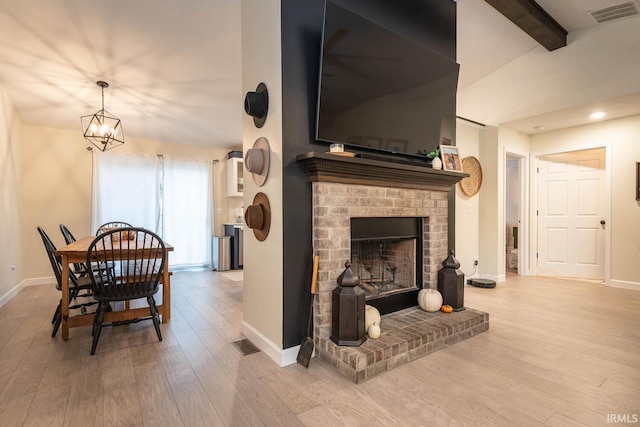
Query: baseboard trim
pixel 282 357
pixel 4 299
pixel 621 284
pixel 40 281
pixel 12 293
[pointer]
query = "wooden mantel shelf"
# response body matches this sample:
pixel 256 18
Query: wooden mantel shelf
pixel 354 170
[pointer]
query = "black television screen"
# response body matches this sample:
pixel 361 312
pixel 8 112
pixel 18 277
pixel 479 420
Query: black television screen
pixel 380 90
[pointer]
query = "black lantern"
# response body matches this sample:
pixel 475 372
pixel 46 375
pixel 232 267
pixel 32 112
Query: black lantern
pixel 347 312
pixel 451 283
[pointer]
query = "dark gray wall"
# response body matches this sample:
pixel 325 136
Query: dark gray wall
pixel 431 23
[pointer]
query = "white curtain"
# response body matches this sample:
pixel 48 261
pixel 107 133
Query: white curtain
pixel 125 189
pixel 186 211
pixel 172 197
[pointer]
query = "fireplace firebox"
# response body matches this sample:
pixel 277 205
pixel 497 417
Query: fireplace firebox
pixel 386 254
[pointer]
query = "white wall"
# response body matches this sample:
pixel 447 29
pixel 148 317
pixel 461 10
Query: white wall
pixel 10 208
pixel 467 208
pixel 263 274
pixel 621 137
pixel 485 235
pixel 480 219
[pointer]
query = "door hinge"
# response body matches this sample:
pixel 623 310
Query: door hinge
pixel 537 170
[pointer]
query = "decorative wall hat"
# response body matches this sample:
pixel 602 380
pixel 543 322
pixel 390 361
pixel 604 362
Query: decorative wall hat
pixel 256 104
pixel 256 160
pixel 257 216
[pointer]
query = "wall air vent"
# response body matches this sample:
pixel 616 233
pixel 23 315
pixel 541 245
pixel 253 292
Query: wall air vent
pixel 622 10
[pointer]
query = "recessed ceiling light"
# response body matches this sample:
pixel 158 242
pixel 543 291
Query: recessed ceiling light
pixel 597 115
pixel 538 127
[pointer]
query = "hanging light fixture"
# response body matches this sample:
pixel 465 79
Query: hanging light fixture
pixel 102 129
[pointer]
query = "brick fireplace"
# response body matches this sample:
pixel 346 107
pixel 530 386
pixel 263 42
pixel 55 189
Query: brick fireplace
pixel 348 188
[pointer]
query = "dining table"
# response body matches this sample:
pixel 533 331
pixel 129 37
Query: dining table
pixel 76 252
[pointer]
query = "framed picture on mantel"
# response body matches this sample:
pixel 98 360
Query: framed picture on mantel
pixel 450 158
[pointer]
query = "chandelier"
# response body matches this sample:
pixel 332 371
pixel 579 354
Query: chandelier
pixel 102 129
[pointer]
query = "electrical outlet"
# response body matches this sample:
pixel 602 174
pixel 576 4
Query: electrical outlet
pixel 475 260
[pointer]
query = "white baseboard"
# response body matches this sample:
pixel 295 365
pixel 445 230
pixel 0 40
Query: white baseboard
pixel 633 286
pixel 4 299
pixel 12 293
pixel 282 357
pixel 40 281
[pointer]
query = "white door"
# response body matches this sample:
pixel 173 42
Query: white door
pixel 571 214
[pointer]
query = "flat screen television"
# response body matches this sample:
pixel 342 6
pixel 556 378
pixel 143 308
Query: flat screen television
pixel 382 92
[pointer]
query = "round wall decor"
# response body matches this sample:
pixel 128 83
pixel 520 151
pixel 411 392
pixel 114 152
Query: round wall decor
pixel 471 184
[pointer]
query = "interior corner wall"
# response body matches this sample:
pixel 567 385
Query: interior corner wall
pixel 489 233
pixel 10 208
pixel 263 277
pixel 495 142
pixel 467 207
pixel 428 22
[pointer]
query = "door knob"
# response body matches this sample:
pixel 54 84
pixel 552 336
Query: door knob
pixel 602 222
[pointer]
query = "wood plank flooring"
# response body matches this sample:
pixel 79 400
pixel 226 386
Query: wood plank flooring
pixel 558 353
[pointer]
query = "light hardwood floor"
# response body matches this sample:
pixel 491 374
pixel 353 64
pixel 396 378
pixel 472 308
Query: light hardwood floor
pixel 558 353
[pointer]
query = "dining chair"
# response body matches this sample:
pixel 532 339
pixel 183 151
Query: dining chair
pixel 76 284
pixel 137 257
pixel 79 268
pixel 112 224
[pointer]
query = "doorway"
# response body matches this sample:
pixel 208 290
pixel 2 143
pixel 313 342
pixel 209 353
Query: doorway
pixel 514 206
pixel 571 214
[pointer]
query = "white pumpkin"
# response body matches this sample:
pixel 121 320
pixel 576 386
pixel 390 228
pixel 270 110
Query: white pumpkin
pixel 371 316
pixel 430 300
pixel 374 331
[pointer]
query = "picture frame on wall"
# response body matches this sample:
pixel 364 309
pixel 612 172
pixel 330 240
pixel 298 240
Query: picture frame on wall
pixel 450 158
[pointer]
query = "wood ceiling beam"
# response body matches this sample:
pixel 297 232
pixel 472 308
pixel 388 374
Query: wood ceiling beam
pixel 533 20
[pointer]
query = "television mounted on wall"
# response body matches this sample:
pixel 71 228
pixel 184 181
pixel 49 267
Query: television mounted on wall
pixel 380 91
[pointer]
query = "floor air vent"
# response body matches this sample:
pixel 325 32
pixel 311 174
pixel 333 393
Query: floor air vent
pixel 245 347
pixel 617 11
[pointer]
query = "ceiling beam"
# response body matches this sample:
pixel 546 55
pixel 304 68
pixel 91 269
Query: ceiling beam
pixel 533 20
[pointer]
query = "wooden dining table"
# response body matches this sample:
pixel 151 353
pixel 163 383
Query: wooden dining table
pixel 76 252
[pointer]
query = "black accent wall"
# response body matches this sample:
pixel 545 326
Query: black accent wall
pixel 431 23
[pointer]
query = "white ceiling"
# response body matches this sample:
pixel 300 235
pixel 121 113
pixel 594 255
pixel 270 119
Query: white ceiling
pixel 174 67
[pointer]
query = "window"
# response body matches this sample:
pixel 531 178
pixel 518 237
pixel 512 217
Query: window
pixel 169 196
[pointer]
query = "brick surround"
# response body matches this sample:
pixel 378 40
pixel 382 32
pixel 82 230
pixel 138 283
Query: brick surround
pixel 407 334
pixel 334 204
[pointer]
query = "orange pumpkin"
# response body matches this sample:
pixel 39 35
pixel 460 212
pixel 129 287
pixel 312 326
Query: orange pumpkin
pixel 446 308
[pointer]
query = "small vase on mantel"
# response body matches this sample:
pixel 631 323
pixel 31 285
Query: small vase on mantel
pixel 436 163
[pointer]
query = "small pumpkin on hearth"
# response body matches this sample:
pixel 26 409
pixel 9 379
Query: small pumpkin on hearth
pixel 371 316
pixel 374 331
pixel 446 308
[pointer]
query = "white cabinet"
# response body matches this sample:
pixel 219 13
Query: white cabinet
pixel 235 181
